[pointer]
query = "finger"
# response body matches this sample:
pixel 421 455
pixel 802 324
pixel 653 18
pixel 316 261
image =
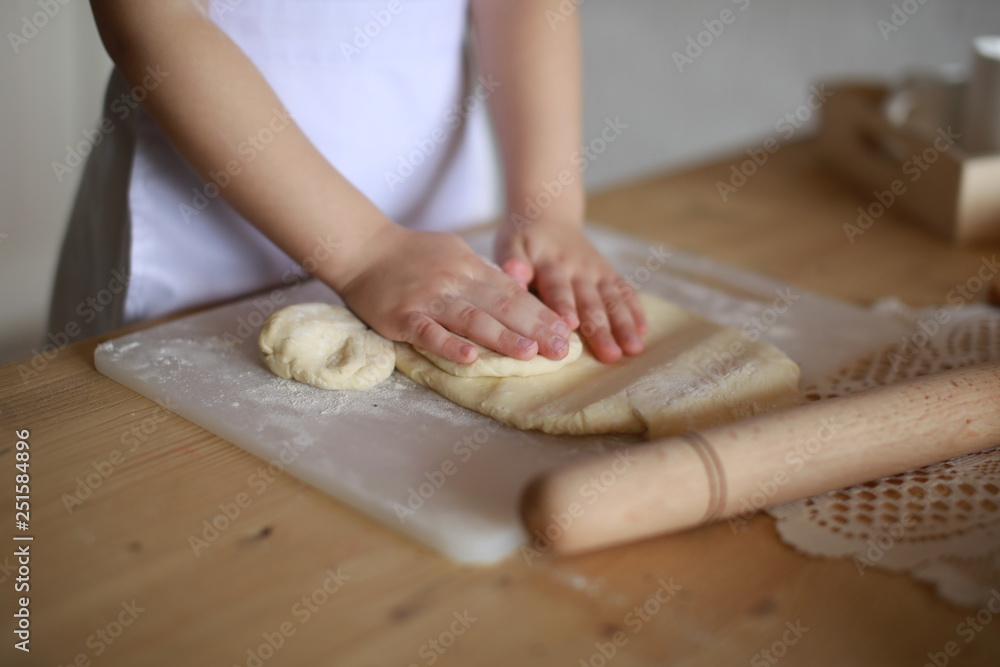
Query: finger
pixel 422 331
pixel 523 313
pixel 513 259
pixel 638 314
pixel 614 299
pixel 556 292
pixel 519 270
pixel 594 323
pixel 478 325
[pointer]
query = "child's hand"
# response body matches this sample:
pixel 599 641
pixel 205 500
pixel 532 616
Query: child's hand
pixel 576 281
pixel 536 113
pixel 418 287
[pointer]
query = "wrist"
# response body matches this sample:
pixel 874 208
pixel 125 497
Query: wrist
pixel 358 252
pixel 555 204
pixel 517 221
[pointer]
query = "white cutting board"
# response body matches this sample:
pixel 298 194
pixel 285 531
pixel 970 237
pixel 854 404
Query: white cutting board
pixel 442 474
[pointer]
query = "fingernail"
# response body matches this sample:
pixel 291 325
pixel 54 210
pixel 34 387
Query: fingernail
pixel 558 343
pixel 466 350
pixel 524 343
pixel 560 328
pixel 633 340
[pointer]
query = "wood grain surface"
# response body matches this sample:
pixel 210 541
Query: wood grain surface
pixel 293 577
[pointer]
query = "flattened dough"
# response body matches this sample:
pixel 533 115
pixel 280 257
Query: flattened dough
pixel 692 375
pixel 490 363
pixel 325 346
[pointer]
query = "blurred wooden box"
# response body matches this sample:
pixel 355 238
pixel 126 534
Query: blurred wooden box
pixel 926 174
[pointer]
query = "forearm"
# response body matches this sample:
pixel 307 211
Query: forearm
pixel 536 108
pixel 212 99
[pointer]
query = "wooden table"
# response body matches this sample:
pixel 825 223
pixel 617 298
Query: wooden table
pixel 300 579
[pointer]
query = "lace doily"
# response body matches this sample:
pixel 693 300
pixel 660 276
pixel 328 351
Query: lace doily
pixel 941 523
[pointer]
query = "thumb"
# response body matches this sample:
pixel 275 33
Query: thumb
pixel 513 258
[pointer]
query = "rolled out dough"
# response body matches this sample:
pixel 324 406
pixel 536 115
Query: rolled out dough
pixel 692 375
pixel 326 346
pixel 490 363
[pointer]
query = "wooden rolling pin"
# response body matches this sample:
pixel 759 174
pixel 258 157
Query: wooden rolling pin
pixel 737 469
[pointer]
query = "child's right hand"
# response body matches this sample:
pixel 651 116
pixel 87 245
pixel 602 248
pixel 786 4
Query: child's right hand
pixel 409 286
pixel 419 287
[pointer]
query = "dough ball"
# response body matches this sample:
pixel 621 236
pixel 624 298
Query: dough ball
pixel 495 365
pixel 326 346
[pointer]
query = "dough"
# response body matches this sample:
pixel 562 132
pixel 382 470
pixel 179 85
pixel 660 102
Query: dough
pixel 490 363
pixel 325 346
pixel 693 374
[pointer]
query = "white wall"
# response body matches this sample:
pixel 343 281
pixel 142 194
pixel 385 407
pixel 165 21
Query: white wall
pixel 753 73
pixel 757 70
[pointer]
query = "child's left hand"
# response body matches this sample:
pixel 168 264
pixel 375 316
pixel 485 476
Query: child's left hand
pixel 576 281
pixel 536 113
